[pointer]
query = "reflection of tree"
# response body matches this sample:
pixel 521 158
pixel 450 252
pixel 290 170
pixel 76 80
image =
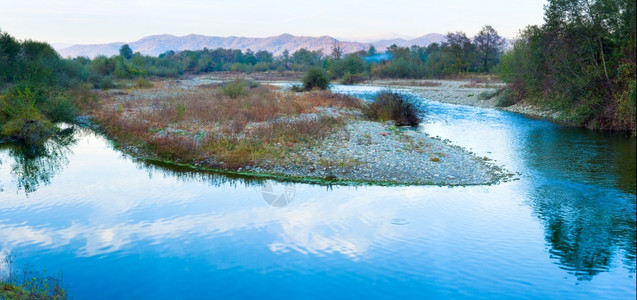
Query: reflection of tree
pixel 36 165
pixel 583 156
pixel 1 186
pixel 586 230
pixel 188 174
pixel 586 196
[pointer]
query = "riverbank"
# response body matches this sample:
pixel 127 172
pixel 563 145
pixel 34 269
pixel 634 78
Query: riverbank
pixel 479 93
pixel 382 153
pixel 309 136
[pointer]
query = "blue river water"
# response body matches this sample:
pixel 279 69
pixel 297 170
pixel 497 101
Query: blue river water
pixel 122 228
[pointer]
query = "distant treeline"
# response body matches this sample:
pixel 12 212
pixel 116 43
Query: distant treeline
pixel 581 62
pixel 37 61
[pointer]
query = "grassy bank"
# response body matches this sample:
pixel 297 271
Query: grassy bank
pixel 225 126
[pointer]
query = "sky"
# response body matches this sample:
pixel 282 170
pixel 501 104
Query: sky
pixel 104 21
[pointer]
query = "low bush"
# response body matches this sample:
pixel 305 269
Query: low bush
pixel 60 109
pixel 388 105
pixel 316 78
pixel 234 89
pixel 349 78
pixel 505 99
pixel 143 83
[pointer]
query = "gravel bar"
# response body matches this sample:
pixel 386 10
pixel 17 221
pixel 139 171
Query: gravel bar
pixel 373 152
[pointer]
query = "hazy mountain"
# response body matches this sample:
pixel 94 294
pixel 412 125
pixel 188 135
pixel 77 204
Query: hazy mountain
pixel 380 37
pixel 420 41
pixel 157 44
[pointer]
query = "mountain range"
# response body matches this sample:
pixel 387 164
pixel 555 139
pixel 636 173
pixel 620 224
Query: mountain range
pixel 157 44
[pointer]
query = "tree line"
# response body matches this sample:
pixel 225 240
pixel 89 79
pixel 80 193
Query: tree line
pixel 580 61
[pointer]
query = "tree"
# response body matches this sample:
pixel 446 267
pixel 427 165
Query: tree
pixel 337 50
pixel 126 52
pixel 9 56
pixel 582 60
pixel 371 51
pixel 285 58
pixel 461 48
pixel 263 56
pixel 489 45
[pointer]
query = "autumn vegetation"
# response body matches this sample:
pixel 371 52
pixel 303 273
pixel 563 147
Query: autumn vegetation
pixel 209 127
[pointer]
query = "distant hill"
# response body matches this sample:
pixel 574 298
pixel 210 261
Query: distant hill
pixel 157 44
pixel 420 41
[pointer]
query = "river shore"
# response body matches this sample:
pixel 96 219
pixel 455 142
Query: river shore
pixel 466 92
pixel 348 150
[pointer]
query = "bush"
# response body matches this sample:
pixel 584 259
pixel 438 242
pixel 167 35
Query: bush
pixel 142 83
pixel 107 83
pixel 234 89
pixel 350 79
pixel 60 110
pixel 316 78
pixel 22 117
pixel 505 99
pixel 388 105
pixel 347 78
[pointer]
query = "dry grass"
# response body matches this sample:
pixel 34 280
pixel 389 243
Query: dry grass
pixel 205 127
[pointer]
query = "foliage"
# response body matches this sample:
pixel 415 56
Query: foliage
pixel 388 105
pixel 581 61
pixel 143 83
pixel 126 52
pixel 316 78
pixel 505 99
pixel 489 45
pixel 234 89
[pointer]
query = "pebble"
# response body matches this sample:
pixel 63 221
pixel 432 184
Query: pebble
pixel 341 157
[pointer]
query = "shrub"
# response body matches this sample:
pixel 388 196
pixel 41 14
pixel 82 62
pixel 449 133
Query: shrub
pixel 486 95
pixel 60 110
pixel 347 78
pixel 350 79
pixel 181 110
pixel 316 78
pixel 107 83
pixel 505 99
pixel 234 89
pixel 388 105
pixel 142 83
pixel 297 88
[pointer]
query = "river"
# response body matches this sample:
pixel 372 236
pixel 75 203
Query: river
pixel 121 228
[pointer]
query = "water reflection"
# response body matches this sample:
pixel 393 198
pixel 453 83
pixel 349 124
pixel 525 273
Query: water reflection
pixel 579 155
pixel 586 230
pixel 34 166
pixel 587 223
pixel 186 174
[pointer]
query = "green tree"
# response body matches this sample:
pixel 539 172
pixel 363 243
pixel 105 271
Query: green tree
pixel 126 52
pixel 9 57
pixel 582 61
pixel 489 45
pixel 461 49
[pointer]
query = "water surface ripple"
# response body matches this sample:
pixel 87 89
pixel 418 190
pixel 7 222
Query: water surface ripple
pixel 122 228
